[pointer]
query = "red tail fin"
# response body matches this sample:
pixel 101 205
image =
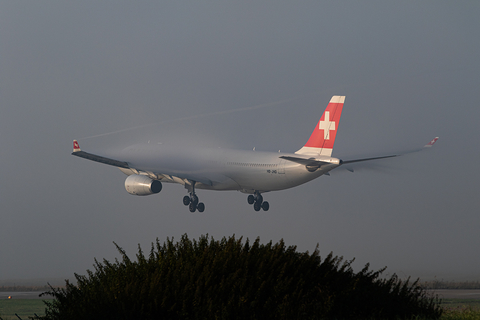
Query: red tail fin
pixel 323 136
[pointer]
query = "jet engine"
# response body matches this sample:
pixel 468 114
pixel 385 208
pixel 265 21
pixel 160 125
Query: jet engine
pixel 142 185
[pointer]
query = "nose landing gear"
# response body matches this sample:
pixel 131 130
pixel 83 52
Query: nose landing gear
pixel 257 200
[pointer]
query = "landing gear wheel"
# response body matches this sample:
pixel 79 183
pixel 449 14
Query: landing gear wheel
pixel 265 206
pixel 251 199
pixel 194 199
pixel 256 206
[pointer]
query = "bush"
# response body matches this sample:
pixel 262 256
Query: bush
pixel 209 279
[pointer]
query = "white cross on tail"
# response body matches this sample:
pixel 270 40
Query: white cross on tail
pixel 326 126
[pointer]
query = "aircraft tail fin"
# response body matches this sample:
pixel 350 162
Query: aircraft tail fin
pixel 323 136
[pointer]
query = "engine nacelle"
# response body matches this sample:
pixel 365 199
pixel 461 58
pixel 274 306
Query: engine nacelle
pixel 142 185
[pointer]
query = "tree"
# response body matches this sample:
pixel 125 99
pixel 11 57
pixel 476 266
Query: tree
pixel 228 279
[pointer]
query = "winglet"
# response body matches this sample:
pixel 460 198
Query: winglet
pixel 76 147
pixel 431 143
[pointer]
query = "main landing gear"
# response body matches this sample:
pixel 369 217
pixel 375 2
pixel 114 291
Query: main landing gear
pixel 257 200
pixel 192 201
pixel 193 204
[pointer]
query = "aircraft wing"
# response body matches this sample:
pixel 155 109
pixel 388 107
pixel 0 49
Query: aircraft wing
pixel 82 154
pixel 428 145
pixel 368 159
pixel 169 176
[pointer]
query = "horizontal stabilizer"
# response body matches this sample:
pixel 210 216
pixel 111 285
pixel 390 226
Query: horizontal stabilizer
pixel 306 162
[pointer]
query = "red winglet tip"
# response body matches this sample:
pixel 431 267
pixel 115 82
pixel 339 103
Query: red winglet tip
pixel 431 143
pixel 76 147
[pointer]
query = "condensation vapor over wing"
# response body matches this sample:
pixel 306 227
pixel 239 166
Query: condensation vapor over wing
pixel 260 106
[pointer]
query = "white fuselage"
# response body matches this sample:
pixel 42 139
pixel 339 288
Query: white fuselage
pixel 252 172
pixel 220 169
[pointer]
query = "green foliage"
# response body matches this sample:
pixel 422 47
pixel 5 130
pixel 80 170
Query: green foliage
pixel 25 308
pixel 452 304
pixel 209 279
pixel 461 313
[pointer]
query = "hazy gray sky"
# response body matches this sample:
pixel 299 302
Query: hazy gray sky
pixel 410 71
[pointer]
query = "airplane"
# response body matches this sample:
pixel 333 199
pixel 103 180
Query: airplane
pixel 251 172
